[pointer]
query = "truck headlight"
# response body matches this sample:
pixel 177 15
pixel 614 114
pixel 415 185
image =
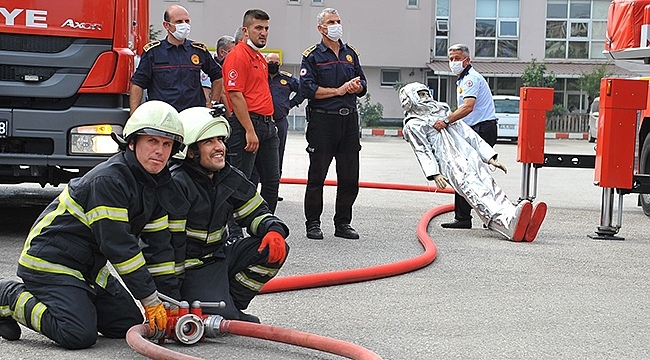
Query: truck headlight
pixel 93 140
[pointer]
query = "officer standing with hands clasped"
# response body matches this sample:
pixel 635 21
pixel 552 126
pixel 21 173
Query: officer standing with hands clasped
pixel 476 109
pixel 68 292
pixel 332 79
pixel 282 84
pixel 170 69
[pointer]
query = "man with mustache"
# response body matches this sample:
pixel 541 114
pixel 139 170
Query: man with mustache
pixel 208 267
pixel 68 293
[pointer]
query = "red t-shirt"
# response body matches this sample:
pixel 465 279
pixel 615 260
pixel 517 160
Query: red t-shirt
pixel 244 70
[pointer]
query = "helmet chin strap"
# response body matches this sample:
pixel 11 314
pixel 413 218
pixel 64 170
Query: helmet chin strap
pixel 196 160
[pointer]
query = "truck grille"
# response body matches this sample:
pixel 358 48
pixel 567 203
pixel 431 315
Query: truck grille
pixel 17 73
pixel 34 43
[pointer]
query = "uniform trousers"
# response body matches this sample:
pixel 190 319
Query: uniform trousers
pixel 72 315
pixel 332 136
pixel 234 279
pixel 488 131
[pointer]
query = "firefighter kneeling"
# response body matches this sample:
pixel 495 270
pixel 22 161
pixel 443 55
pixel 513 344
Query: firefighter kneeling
pixel 204 266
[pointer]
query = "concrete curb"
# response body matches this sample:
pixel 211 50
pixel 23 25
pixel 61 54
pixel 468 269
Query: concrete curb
pixel 548 135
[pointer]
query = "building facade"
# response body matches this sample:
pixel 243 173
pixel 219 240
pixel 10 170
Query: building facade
pixel 402 41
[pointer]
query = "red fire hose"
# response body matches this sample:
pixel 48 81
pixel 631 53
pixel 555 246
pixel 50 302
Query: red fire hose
pixel 136 335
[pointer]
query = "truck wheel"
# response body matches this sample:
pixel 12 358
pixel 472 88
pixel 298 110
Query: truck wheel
pixel 644 199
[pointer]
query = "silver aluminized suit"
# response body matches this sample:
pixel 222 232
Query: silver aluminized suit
pixel 460 155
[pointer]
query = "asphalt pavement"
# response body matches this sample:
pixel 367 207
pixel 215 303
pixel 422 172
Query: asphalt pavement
pixel 563 296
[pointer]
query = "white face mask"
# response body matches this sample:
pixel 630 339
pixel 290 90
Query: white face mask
pixel 335 32
pixel 250 43
pixel 182 31
pixel 456 67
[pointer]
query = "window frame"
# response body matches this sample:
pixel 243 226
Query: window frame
pixel 496 38
pixel 383 71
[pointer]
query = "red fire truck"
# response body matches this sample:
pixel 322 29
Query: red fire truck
pixel 628 38
pixel 65 68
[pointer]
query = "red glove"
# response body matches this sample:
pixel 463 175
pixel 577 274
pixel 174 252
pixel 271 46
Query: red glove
pixel 277 247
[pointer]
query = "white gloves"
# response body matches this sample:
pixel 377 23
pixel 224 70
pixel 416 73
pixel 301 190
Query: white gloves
pixel 441 181
pixel 499 165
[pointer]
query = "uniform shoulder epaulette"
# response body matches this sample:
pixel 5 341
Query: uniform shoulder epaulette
pixel 353 48
pixel 286 73
pixel 200 45
pixel 309 50
pixel 150 45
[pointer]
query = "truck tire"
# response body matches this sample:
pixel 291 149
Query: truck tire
pixel 644 199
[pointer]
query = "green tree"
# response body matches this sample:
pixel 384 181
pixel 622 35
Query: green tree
pixel 153 33
pixel 535 75
pixel 590 82
pixel 370 113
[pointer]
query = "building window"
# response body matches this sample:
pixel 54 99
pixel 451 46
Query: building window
pixel 293 2
pixel 413 3
pixel 318 2
pixel 575 29
pixel 390 77
pixel 441 29
pixel 497 28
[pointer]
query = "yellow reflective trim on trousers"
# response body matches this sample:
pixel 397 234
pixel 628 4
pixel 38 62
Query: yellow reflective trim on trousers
pixel 34 263
pixel 177 225
pixel 37 315
pixel 102 277
pixel 130 265
pixel 107 212
pixel 166 268
pixel 5 311
pixel 256 223
pixel 263 270
pixel 248 282
pixel 248 207
pixel 157 225
pixel 19 311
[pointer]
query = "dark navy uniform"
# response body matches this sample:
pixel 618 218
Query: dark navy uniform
pixel 172 73
pixel 213 270
pixel 333 128
pixel 282 85
pixel 68 292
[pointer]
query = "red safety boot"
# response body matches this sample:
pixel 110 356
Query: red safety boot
pixel 536 220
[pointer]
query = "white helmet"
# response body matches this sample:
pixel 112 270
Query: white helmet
pixel 202 123
pixel 155 118
pixel 416 99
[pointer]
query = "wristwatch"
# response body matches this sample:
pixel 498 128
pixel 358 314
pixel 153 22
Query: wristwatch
pixel 446 120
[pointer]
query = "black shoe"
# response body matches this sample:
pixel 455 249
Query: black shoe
pixel 314 231
pixel 280 198
pixel 458 224
pixel 345 231
pixel 9 328
pixel 248 317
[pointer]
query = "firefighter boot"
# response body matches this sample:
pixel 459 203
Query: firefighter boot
pixel 539 213
pixel 9 328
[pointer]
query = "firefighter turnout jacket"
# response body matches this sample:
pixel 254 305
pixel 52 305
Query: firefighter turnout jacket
pixel 108 214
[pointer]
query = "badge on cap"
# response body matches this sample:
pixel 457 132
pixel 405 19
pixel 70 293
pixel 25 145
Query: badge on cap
pixel 195 59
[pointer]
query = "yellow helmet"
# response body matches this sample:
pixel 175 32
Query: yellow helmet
pixel 202 123
pixel 155 118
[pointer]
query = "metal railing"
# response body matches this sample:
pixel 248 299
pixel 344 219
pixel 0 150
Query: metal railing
pixel 571 123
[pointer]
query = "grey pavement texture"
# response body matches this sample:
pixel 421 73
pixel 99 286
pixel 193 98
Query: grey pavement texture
pixel 564 296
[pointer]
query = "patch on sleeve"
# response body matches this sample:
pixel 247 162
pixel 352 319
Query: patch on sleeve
pixel 469 83
pixel 303 72
pixel 232 77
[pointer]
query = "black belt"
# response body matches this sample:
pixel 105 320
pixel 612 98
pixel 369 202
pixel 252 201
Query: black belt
pixel 264 118
pixel 341 111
